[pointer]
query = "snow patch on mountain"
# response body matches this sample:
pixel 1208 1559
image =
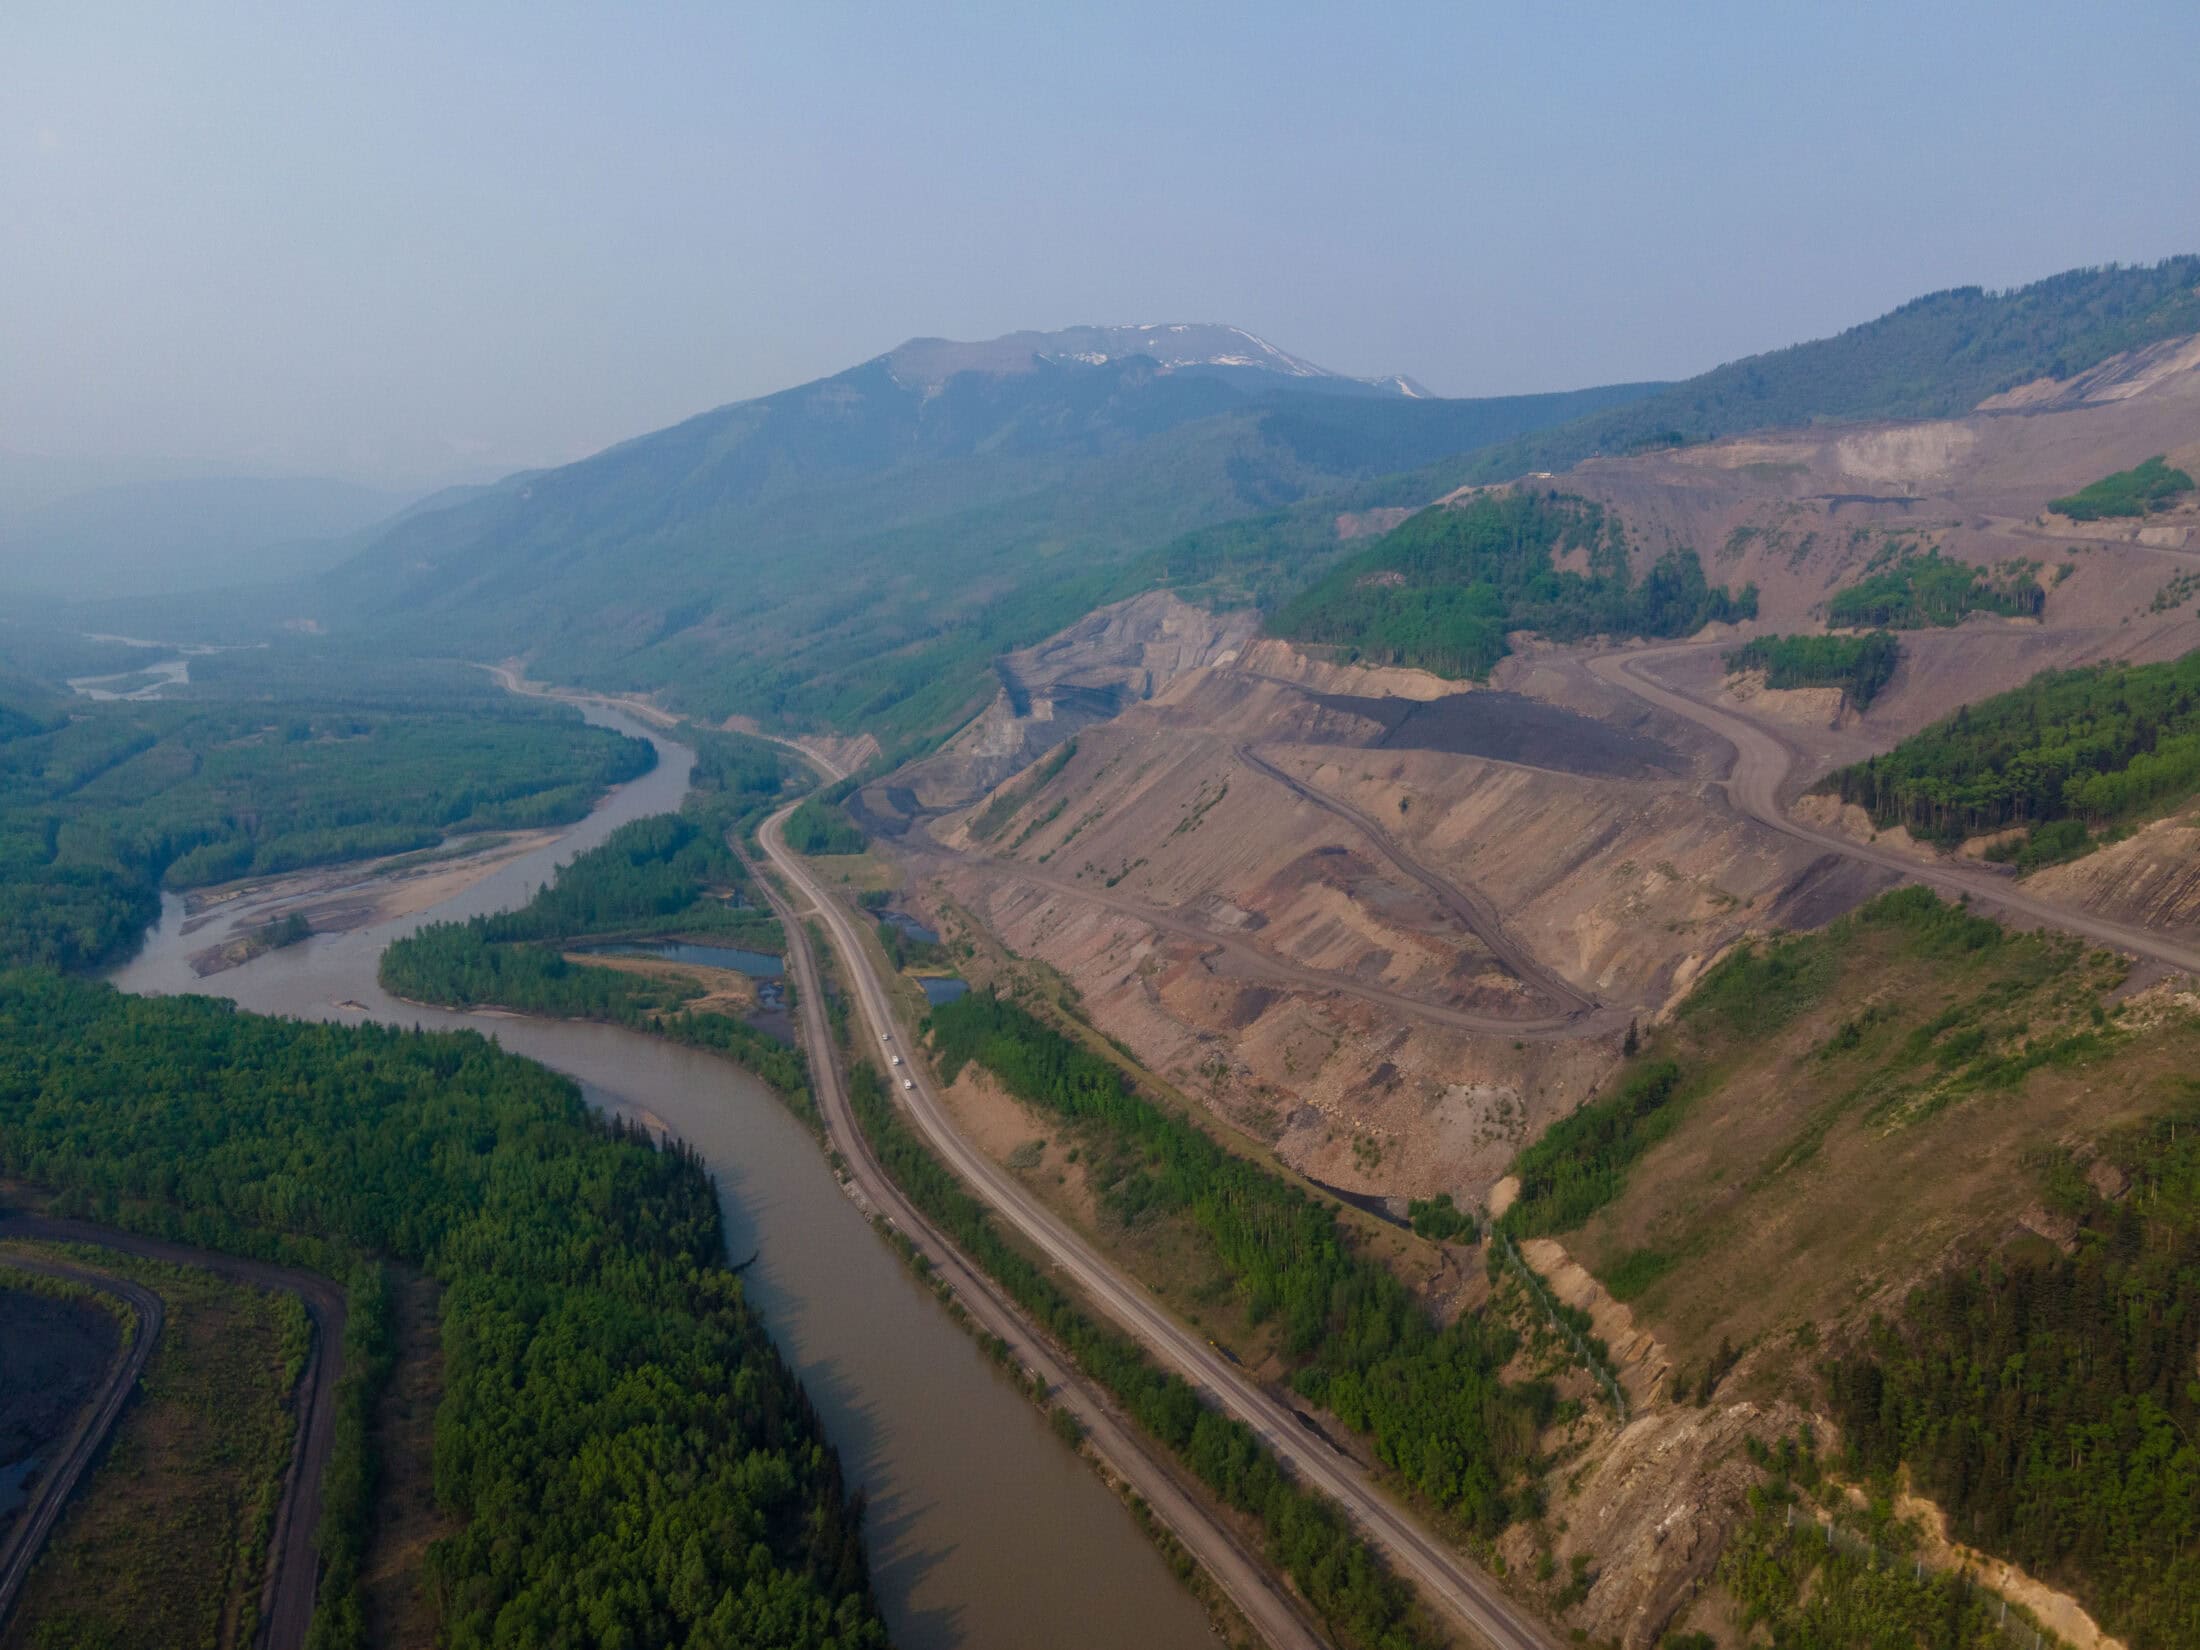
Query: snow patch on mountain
pixel 1173 346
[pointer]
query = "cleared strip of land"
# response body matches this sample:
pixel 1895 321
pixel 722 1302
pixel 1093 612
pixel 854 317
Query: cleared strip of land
pixel 29 1537
pixel 286 1604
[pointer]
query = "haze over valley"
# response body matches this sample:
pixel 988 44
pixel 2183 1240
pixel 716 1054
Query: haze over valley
pixel 1386 904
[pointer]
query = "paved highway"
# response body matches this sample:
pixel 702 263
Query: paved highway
pixel 1448 1580
pixel 1271 1608
pixel 1762 764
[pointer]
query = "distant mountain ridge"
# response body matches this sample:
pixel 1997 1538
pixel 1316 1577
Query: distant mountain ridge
pixel 856 551
pixel 1209 347
pixel 1934 357
pixel 187 533
pixel 860 546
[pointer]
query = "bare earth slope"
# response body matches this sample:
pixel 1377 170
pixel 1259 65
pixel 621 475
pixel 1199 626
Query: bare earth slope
pixel 1396 926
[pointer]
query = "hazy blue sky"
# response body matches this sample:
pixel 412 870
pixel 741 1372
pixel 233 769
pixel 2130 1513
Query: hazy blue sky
pixel 396 241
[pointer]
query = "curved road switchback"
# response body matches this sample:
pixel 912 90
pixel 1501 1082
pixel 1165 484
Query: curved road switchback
pixel 23 1545
pixel 1250 1586
pixel 1452 1583
pixel 286 1599
pixel 1762 765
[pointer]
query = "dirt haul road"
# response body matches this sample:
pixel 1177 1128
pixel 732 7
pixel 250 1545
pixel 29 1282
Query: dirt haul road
pixel 1762 764
pixel 1475 913
pixel 1447 1580
pixel 286 1600
pixel 22 1548
pixel 1234 1567
pixel 1250 962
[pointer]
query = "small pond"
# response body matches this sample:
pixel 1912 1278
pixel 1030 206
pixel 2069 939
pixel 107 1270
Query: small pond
pixel 761 965
pixel 910 927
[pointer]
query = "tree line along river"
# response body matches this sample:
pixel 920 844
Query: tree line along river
pixel 985 1531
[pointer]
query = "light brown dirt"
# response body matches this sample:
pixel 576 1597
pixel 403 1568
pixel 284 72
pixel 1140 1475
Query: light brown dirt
pixel 1624 889
pixel 725 990
pixel 338 898
pixel 1817 707
pixel 1006 1130
pixel 2057 1611
pixel 1640 1361
pixel 2151 878
pixel 1270 657
pixel 1651 1506
pixel 1117 656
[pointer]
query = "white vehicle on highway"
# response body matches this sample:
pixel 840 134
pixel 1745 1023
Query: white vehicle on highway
pixel 908 1082
pixel 886 1036
pixel 897 1059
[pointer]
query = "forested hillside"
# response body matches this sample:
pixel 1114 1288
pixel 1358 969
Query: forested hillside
pixel 855 552
pixel 2047 1399
pixel 1858 665
pixel 2070 755
pixel 627 1457
pixel 1442 590
pixel 1916 1092
pixel 1934 357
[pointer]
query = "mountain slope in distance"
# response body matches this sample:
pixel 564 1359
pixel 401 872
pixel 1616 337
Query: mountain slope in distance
pixel 858 548
pixel 1206 348
pixel 1935 357
pixel 194 533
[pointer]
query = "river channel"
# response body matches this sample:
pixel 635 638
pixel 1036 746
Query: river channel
pixel 986 1533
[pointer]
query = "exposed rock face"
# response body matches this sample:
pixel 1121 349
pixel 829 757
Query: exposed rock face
pixel 2151 878
pixel 1637 1356
pixel 1652 1511
pixel 1111 659
pixel 1266 656
pixel 1802 513
pixel 1222 872
pixel 1809 707
pixel 2119 378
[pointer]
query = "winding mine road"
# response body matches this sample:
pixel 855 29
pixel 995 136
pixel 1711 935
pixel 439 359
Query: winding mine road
pixel 23 1546
pixel 1449 1581
pixel 1475 913
pixel 1252 962
pixel 1763 763
pixel 286 1599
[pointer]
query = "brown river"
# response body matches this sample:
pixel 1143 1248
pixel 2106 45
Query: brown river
pixel 985 1531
